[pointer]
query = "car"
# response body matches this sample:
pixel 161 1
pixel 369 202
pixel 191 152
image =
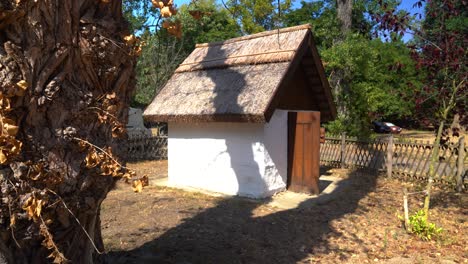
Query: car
pixel 386 127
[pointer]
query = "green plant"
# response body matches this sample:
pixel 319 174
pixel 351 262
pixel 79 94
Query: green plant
pixel 423 228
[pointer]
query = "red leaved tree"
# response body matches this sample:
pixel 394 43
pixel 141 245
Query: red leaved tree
pixel 441 56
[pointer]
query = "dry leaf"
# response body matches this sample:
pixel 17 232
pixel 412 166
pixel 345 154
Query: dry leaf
pixel 33 207
pixel 37 170
pixel 128 175
pixel 22 85
pixel 138 51
pixel 82 145
pixel 4 103
pixel 166 12
pixel 137 186
pixel 157 3
pixel 92 159
pixel 118 130
pixel 11 130
pixel 111 96
pixel 48 242
pixel 109 169
pixel 12 221
pixel 144 180
pixel 9 127
pixel 9 147
pixel 15 146
pixel 3 157
pixel 130 39
pixel 112 109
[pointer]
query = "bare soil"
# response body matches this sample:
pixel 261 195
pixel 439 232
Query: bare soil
pixel 427 136
pixel 359 225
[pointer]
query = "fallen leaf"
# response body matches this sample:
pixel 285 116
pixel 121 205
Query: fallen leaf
pixel 137 186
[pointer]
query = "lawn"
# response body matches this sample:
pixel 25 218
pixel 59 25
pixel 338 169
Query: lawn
pixel 359 225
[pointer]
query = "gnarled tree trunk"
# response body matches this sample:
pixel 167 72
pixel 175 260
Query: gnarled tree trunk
pixel 66 76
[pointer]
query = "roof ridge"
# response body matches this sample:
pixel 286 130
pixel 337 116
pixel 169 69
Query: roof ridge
pixel 254 36
pixel 238 56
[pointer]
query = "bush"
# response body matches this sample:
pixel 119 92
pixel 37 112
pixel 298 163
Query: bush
pixel 421 227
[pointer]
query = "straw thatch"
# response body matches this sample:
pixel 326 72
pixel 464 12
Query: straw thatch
pixel 233 80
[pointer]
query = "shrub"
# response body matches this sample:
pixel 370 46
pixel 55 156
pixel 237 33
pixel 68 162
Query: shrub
pixel 421 227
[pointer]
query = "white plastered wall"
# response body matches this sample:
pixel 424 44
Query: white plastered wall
pixel 232 158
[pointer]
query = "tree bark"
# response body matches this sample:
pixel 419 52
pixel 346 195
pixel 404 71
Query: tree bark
pixel 66 77
pixel 344 10
pixel 340 84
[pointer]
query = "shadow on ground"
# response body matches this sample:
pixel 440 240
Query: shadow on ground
pixel 230 233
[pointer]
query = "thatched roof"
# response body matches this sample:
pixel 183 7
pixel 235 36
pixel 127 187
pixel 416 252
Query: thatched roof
pixel 237 79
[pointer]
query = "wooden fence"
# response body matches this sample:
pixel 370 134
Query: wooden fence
pixel 147 148
pixel 398 157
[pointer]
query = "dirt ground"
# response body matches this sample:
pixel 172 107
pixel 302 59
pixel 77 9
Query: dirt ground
pixel 427 136
pixel 359 225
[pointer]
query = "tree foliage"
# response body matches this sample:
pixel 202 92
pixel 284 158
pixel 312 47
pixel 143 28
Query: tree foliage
pixel 441 55
pixel 380 76
pixel 374 70
pixel 259 15
pixel 200 21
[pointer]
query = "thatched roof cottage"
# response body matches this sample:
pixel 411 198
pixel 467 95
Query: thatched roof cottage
pixel 227 107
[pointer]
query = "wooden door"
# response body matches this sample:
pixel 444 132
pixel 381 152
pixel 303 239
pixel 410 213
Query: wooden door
pixel 304 151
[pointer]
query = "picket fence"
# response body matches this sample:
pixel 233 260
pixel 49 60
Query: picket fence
pixel 398 157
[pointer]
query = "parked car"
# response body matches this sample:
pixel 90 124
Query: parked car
pixel 386 127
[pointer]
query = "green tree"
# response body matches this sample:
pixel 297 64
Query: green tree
pixel 259 15
pixel 360 68
pixel 381 77
pixel 321 16
pixel 164 52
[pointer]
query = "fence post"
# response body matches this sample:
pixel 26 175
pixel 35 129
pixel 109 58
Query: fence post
pixel 460 165
pixel 343 148
pixel 390 156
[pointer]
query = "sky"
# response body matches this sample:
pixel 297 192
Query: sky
pixel 408 6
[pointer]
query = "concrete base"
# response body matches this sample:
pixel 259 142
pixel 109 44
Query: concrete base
pixel 282 201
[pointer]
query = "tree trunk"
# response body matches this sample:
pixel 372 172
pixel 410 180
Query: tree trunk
pixel 66 77
pixel 338 81
pixel 344 10
pixel 432 165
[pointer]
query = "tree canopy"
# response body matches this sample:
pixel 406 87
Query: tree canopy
pixel 380 70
